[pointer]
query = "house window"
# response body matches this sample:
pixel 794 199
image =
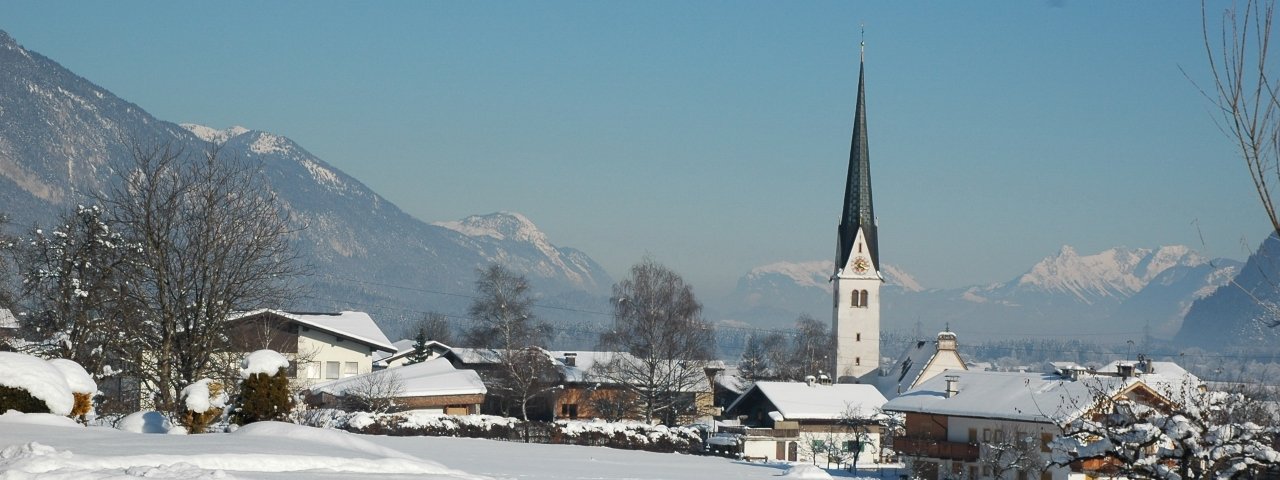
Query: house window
pixel 350 369
pixel 973 471
pixel 973 435
pixel 313 370
pixel 986 470
pixel 999 436
pixel 1045 438
pixel 986 435
pixel 292 370
pixel 858 338
pixel 569 410
pixel 331 369
pixel 1046 475
pixel 857 360
pixel 1022 475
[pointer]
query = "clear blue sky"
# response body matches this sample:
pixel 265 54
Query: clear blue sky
pixel 713 135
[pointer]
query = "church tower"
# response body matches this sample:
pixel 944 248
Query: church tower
pixel 855 321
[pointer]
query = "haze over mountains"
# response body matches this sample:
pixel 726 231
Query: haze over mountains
pixel 62 138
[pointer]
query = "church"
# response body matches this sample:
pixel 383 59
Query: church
pixel 856 281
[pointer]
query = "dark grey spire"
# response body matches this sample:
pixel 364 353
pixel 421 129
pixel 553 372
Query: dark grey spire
pixel 858 212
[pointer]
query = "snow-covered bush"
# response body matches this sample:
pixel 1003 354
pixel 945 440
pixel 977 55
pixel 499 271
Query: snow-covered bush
pixel 33 385
pixel 146 422
pixel 621 435
pixel 83 388
pixel 205 401
pixel 264 391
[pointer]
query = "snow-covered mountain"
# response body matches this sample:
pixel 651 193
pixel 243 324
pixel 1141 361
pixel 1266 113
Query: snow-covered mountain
pixel 1245 313
pixel 1119 291
pixel 62 137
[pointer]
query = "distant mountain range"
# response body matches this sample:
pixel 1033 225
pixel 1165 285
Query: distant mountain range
pixel 1118 293
pixel 62 137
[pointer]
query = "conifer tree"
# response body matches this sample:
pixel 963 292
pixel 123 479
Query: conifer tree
pixel 263 397
pixel 419 354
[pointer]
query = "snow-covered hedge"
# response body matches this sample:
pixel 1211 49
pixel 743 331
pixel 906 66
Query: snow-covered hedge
pixel 621 435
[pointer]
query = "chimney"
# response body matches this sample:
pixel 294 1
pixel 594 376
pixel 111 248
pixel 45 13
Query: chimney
pixel 953 385
pixel 1125 370
pixel 571 359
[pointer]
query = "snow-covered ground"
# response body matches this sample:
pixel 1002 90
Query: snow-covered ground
pixel 50 447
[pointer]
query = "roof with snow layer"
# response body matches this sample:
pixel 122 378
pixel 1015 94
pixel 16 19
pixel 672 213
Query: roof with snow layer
pixel 435 377
pixel 1017 396
pixel 357 326
pixel 804 401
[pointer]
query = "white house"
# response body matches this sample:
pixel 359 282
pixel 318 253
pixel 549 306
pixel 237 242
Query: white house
pixel 999 424
pixel 803 421
pixel 321 346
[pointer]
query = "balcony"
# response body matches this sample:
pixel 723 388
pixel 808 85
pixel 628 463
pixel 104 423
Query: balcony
pixel 923 447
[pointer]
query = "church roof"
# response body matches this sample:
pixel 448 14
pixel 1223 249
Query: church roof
pixel 858 211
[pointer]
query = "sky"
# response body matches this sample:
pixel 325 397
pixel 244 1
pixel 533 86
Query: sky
pixel 714 136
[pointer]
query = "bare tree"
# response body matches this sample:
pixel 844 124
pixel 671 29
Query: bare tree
pixel 210 239
pixel 811 348
pixel 1011 452
pixel 661 340
pixel 507 331
pixel 375 392
pixel 435 326
pixel 71 289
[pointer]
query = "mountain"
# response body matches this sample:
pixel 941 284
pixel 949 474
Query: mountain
pixel 62 138
pixel 1119 291
pixel 1245 314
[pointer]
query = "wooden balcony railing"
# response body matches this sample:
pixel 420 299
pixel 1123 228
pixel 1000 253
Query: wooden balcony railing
pixel 923 447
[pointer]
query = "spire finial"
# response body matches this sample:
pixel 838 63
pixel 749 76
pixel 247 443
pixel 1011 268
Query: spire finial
pixel 862 47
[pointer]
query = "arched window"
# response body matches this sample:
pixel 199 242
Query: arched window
pixel 863 300
pixel 853 299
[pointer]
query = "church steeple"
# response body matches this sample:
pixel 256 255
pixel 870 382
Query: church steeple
pixel 858 212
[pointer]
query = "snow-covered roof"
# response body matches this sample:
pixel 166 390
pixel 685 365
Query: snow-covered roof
pixel 7 320
pixel 357 326
pixel 804 401
pixel 1021 396
pixel 435 377
pixel 404 347
pixel 1168 378
pixel 903 374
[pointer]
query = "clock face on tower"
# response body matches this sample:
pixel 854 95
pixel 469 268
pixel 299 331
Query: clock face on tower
pixel 861 265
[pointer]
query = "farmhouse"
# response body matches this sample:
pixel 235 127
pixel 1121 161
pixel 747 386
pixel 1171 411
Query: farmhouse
pixel 810 421
pixel 999 424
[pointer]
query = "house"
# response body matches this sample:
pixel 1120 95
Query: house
pixel 921 361
pixel 810 421
pixel 434 386
pixel 999 424
pixel 321 346
pixel 404 349
pixel 591 387
pixel 585 389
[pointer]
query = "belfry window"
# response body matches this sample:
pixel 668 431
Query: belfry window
pixel 853 299
pixel 863 300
